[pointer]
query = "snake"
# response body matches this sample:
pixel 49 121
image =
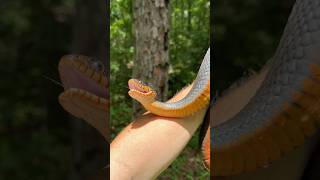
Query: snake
pixel 85 90
pixel 197 99
pixel 278 109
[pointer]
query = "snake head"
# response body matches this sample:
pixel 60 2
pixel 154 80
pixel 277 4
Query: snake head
pixel 141 92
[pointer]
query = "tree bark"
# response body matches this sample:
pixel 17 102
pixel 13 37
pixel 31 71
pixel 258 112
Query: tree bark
pixel 90 150
pixel 151 30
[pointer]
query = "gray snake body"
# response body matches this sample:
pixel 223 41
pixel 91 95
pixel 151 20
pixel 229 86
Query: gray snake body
pixel 284 109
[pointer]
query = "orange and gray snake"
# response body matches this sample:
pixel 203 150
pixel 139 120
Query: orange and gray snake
pixel 272 113
pixel 198 98
pixel 85 94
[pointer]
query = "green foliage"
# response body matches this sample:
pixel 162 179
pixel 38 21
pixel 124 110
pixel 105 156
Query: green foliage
pixel 189 40
pixel 121 55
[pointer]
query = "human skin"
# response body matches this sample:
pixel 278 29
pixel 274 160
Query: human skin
pixel 148 145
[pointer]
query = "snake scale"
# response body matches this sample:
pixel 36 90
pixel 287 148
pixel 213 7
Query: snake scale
pixel 284 110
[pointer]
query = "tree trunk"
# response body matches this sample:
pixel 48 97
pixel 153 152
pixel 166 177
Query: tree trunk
pixel 151 30
pixel 90 150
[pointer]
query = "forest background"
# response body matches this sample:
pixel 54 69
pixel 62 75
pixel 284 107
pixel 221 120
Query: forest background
pixel 35 138
pixel 189 38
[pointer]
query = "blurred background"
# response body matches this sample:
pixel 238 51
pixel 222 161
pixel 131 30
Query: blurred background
pixel 188 42
pixel 38 139
pixel 246 34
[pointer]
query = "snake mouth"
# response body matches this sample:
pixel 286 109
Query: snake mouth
pixel 85 73
pixel 139 87
pixel 85 94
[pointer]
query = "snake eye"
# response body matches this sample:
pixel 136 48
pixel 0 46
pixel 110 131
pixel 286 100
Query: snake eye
pixel 142 83
pixel 97 65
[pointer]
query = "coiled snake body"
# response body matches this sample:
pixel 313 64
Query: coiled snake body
pixel 285 107
pixel 197 98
